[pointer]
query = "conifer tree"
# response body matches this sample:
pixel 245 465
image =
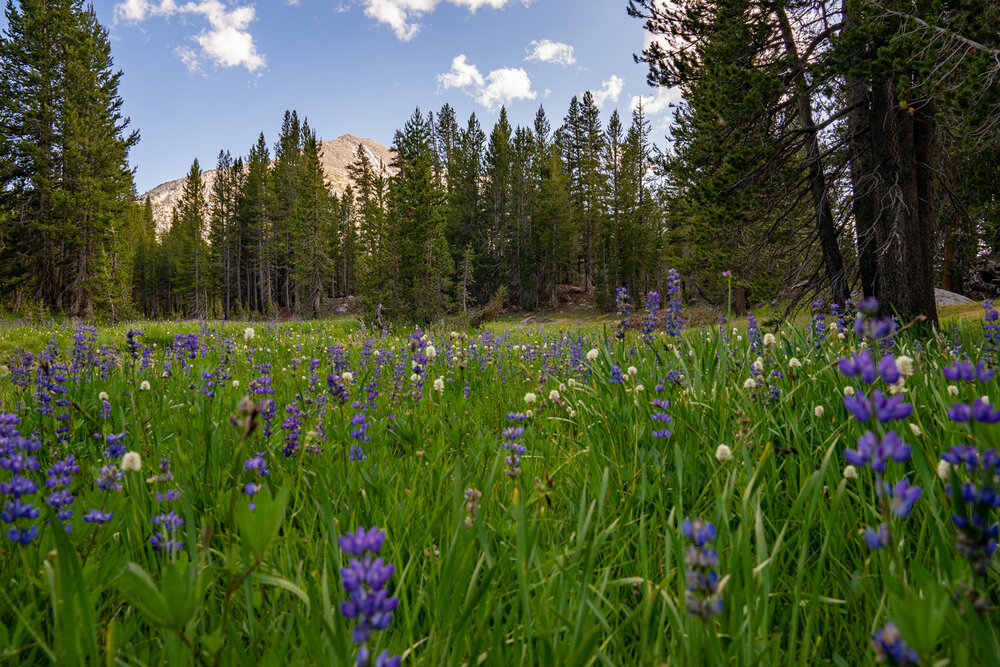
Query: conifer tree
pixel 66 177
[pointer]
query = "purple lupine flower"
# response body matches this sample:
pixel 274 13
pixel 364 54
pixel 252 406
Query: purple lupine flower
pixel 876 538
pixel 364 581
pixel 97 516
pixel 674 321
pixel 649 319
pixel 902 496
pixel 164 539
pixel 116 448
pixel 702 595
pixel 890 648
pixel 512 462
pixel 960 412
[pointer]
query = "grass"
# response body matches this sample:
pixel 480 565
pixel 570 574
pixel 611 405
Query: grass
pixel 578 561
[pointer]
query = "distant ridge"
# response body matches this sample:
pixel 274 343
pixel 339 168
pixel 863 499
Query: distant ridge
pixel 336 156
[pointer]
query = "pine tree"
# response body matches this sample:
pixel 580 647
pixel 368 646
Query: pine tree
pixel 190 265
pixel 417 204
pixel 65 156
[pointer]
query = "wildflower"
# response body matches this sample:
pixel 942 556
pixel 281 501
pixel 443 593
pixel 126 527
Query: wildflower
pixel 749 383
pixel 877 538
pixel 905 365
pixel 850 472
pixel 347 376
pixel 794 363
pixel 769 340
pixel 944 470
pixel 631 370
pixel 248 334
pixel 103 396
pixel 554 395
pixel 430 352
pixel 869 448
pixel 903 496
pixel 472 497
pixel 915 430
pixel 97 516
pixel 364 581
pixel 952 390
pixel 639 388
pixel 889 647
pixel 819 411
pixel 530 398
pixel 439 385
pixel 758 364
pixel 701 598
pixel 236 384
pixel 144 385
pixel 848 390
pixel 131 462
pixel 592 354
pixel 673 323
pixel 723 453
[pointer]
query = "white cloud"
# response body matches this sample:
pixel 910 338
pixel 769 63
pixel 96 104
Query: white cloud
pixel 658 103
pixel 610 90
pixel 461 75
pixel 189 57
pixel 227 40
pixel 497 88
pixel 548 51
pixel 402 15
pixel 505 85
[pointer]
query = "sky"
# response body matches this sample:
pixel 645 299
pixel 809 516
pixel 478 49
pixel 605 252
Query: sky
pixel 202 75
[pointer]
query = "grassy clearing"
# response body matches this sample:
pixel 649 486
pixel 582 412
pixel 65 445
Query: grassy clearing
pixel 578 560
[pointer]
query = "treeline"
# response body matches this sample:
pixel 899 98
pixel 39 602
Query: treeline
pixel 835 146
pixel 67 215
pixel 268 237
pixel 456 218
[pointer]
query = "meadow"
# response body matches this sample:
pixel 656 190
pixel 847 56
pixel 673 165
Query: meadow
pixel 318 492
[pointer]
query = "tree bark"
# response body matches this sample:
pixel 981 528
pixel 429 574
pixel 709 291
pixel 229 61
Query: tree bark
pixel 833 261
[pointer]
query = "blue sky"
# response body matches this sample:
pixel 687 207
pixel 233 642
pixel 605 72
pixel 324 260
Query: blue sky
pixel 201 75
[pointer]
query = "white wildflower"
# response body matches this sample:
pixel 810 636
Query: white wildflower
pixel 758 364
pixel 439 385
pixel 554 395
pixel 905 365
pixel 414 377
pixel 103 396
pixel 769 339
pixel 850 472
pixel 749 383
pixel 236 384
pixel 592 355
pixel 944 470
pixel 819 411
pixel 639 389
pixel 848 390
pixel 530 398
pixel 248 334
pixel 952 390
pixel 348 376
pixel 915 430
pixel 430 352
pixel 794 363
pixel 632 370
pixel 144 385
pixel 131 462
pixel 723 453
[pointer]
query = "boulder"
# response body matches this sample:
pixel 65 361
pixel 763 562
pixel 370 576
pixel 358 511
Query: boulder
pixel 946 298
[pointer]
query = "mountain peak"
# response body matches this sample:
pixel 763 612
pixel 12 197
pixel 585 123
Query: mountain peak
pixel 336 156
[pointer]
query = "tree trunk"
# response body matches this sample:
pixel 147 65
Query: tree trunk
pixel 825 228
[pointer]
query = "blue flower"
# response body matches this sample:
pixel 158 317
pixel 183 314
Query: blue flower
pixel 889 647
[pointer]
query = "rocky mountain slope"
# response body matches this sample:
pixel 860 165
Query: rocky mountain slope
pixel 336 156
